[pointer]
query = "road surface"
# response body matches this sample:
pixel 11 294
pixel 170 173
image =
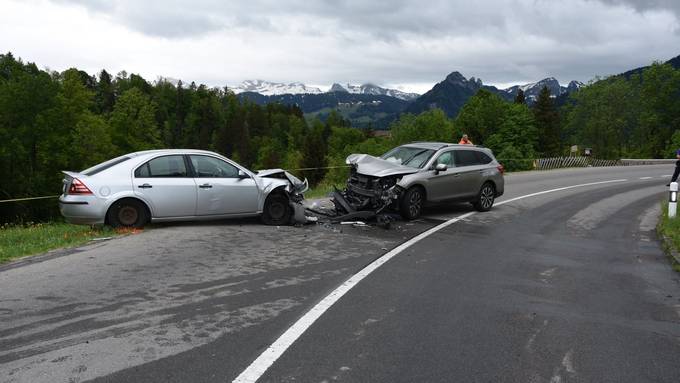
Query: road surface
pixel 566 285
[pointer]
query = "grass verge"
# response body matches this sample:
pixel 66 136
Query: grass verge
pixel 319 191
pixel 669 229
pixel 34 238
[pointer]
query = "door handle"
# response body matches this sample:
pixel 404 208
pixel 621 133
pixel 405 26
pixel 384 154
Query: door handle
pixel 145 186
pixel 205 186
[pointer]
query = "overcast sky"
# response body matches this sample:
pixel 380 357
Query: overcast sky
pixel 407 44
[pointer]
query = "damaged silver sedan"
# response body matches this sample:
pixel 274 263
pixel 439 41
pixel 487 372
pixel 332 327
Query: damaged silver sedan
pixel 177 184
pixel 410 176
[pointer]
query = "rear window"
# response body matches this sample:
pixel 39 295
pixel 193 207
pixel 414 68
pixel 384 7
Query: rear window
pixel 466 158
pixel 483 158
pixel 104 165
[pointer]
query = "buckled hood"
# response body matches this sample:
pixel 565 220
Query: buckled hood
pixel 374 166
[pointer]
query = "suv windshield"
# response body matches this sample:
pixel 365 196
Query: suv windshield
pixel 409 156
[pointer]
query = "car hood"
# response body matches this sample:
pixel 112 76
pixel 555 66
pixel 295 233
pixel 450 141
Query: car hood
pixel 374 166
pixel 297 185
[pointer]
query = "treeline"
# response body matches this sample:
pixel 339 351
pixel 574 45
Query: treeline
pixel 52 121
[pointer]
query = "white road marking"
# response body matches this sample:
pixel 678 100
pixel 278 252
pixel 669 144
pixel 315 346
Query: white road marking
pixel 645 178
pixel 260 365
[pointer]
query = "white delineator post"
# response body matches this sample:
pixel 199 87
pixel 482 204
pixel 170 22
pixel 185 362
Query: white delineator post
pixel 673 200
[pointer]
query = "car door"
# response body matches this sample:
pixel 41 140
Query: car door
pixel 166 184
pixel 442 185
pixel 470 172
pixel 220 189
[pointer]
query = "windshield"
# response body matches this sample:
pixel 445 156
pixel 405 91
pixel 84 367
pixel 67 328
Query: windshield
pixel 409 156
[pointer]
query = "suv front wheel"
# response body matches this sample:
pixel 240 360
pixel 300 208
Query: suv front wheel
pixel 411 203
pixel 485 197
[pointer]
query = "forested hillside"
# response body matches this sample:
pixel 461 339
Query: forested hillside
pixel 71 120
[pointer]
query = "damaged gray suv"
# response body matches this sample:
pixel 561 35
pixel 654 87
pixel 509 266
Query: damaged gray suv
pixel 410 176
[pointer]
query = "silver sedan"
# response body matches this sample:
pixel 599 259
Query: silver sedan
pixel 177 184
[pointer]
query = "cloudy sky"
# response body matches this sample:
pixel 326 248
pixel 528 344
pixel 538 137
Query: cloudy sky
pixel 406 44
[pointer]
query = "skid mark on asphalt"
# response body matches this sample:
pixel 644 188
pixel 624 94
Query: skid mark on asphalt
pixel 589 218
pixel 547 274
pixel 153 339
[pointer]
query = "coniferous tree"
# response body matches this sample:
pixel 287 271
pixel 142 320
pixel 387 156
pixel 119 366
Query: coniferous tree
pixel 548 124
pixel 104 96
pixel 519 98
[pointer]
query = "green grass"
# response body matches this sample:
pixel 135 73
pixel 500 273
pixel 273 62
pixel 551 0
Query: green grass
pixel 319 191
pixel 21 240
pixel 670 228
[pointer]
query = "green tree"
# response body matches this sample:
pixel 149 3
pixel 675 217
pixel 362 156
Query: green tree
pixel 133 122
pixel 480 116
pixel 432 125
pixel 520 98
pixel 515 141
pixel 548 124
pixel 314 152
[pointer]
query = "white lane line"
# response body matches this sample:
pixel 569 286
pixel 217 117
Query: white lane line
pixel 645 178
pixel 260 365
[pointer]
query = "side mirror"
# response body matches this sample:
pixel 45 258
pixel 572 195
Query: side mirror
pixel 440 168
pixel 242 174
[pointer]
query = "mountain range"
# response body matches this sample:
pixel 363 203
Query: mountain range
pixel 371 105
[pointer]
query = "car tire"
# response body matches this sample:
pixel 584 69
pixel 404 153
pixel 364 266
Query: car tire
pixel 128 213
pixel 277 210
pixel 485 198
pixel 411 203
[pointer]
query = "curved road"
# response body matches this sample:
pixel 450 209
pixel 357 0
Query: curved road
pixel 567 285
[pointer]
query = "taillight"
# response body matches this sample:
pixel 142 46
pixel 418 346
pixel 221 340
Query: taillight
pixel 78 187
pixel 500 168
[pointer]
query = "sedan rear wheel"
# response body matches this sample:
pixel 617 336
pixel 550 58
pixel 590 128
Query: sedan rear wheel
pixel 411 204
pixel 485 198
pixel 127 213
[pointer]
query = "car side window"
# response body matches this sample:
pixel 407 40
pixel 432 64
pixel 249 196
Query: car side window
pixel 482 158
pixel 166 167
pixel 466 158
pixel 211 167
pixel 446 159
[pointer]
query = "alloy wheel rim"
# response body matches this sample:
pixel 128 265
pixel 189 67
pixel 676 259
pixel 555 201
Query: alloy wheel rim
pixel 487 197
pixel 128 215
pixel 414 203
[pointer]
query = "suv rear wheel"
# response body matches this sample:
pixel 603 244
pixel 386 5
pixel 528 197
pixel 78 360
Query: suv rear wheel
pixel 411 203
pixel 485 197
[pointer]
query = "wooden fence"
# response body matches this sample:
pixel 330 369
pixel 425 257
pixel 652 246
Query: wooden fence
pixel 572 162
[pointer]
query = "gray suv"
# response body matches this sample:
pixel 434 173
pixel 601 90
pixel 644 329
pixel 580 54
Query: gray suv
pixel 409 176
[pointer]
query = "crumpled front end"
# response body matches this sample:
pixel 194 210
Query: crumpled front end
pixel 372 185
pixel 365 192
pixel 295 188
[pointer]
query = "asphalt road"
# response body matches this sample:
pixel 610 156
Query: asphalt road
pixel 570 285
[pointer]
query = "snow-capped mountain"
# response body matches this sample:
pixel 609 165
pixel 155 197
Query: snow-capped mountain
pixel 374 90
pixel 532 90
pixel 268 88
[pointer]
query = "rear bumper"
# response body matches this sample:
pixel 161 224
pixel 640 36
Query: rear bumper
pixel 84 210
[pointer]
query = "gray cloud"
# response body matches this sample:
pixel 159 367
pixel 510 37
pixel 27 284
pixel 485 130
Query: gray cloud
pixel 648 5
pixel 401 41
